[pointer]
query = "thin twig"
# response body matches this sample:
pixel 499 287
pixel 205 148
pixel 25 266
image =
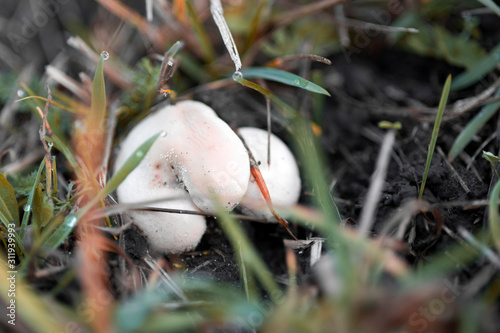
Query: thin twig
pixel 42 132
pixel 377 183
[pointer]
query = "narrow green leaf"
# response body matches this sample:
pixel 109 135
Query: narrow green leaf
pixel 473 127
pixel 477 72
pixel 494 215
pixel 281 76
pixel 491 5
pixel 28 207
pixel 435 132
pixel 250 257
pixel 62 232
pixel 43 209
pixel 8 204
pixel 98 104
pixel 130 164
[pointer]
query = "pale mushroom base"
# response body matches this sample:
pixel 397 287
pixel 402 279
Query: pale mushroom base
pixel 168 232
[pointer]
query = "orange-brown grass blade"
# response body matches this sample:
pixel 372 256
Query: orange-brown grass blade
pixel 94 277
pixel 257 175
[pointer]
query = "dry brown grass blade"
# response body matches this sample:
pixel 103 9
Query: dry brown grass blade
pixel 94 277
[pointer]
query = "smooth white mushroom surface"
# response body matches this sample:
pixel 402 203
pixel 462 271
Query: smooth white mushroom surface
pixel 197 152
pixel 282 177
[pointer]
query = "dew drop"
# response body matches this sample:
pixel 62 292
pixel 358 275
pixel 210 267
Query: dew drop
pixel 105 55
pixel 163 134
pixel 139 154
pixel 27 208
pixel 237 75
pixel 50 144
pixel 297 82
pixel 20 93
pixel 71 221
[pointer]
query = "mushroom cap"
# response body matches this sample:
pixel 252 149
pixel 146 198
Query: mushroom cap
pixel 197 152
pixel 282 177
pixel 205 155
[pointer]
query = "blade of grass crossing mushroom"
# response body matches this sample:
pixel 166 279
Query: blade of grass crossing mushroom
pixel 435 132
pixel 278 75
pixel 494 215
pixel 227 37
pixel 257 176
pixel 130 164
pixel 473 127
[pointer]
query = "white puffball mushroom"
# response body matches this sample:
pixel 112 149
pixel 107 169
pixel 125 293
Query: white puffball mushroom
pixel 205 154
pixel 196 159
pixel 282 177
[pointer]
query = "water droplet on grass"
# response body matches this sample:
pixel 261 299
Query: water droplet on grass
pixel 27 208
pixel 163 134
pixel 139 154
pixel 237 75
pixel 71 221
pixel 105 55
pixel 50 144
pixel 20 93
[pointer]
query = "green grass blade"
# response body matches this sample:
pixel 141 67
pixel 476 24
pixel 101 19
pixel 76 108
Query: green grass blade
pixel 28 207
pixel 9 212
pixel 494 215
pixel 130 164
pixel 473 127
pixel 98 104
pixel 278 75
pixel 435 132
pixel 62 232
pixel 491 5
pixel 476 73
pixel 252 260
